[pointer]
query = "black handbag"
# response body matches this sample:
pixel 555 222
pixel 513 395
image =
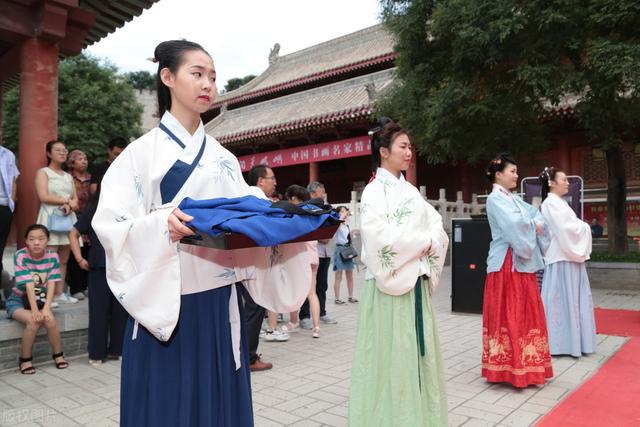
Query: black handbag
pixel 348 253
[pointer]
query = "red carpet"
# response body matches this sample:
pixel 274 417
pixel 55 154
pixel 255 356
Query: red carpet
pixel 622 323
pixel 611 396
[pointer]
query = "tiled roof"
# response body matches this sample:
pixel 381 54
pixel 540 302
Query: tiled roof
pixel 319 107
pixel 362 49
pixel 112 14
pixel 109 16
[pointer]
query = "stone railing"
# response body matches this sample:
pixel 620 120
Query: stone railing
pixel 448 210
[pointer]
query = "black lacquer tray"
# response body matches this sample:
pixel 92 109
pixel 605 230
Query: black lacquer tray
pixel 229 241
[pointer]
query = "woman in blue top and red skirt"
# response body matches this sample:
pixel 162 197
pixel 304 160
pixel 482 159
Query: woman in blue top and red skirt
pixel 514 331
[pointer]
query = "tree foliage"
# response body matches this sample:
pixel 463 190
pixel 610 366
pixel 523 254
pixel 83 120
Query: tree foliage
pixel 95 104
pixel 478 76
pixel 141 80
pixel 236 82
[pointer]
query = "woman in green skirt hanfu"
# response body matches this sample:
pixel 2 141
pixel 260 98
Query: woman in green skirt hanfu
pixel 397 375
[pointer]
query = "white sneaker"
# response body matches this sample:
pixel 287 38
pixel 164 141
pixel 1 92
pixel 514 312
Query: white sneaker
pixel 328 320
pixel 277 336
pixel 79 296
pixel 64 299
pixel 305 324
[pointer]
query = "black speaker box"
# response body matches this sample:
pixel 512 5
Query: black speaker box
pixel 469 250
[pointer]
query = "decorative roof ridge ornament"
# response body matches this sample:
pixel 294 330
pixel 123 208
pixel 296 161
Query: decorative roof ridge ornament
pixel 274 54
pixel 371 91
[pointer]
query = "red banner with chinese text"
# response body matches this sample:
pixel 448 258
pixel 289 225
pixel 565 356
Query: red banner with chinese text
pixel 344 148
pixel 599 212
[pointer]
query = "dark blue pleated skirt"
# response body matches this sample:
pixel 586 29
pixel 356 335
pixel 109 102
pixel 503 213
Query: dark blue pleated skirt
pixel 191 379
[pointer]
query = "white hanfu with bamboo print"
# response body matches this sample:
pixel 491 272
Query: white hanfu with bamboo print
pixel 184 359
pixel 397 374
pixel 146 271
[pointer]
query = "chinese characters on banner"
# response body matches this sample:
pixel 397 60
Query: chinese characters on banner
pixel 599 212
pixel 344 148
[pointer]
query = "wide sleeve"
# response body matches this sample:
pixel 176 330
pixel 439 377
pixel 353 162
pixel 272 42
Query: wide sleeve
pixel 390 252
pixel 439 244
pixel 142 266
pixel 516 227
pixel 280 276
pixel 572 235
pixel 543 240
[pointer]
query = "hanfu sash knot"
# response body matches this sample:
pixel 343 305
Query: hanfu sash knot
pixel 419 320
pixel 179 172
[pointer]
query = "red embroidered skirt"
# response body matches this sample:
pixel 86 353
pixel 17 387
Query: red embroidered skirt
pixel 515 344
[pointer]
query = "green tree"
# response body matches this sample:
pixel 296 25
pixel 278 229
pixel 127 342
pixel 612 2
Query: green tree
pixel 95 104
pixel 236 82
pixel 141 80
pixel 478 76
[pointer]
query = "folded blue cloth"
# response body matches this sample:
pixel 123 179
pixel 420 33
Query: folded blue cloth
pixel 256 218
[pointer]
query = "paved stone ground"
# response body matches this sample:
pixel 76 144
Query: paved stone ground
pixel 309 385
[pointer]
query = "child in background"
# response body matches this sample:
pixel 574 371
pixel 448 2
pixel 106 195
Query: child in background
pixel 37 269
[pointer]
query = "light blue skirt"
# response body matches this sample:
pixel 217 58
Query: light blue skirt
pixel 338 263
pixel 568 306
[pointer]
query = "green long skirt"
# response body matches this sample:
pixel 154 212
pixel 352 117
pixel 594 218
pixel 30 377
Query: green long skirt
pixel 392 384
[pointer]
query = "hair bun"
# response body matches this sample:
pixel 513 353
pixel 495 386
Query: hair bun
pixel 157 52
pixel 384 121
pixel 498 164
pixel 545 175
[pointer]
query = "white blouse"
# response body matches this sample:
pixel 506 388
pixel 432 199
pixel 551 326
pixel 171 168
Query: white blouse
pixel 570 236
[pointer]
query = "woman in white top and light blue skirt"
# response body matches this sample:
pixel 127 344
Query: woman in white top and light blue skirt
pixel 566 293
pixel 343 240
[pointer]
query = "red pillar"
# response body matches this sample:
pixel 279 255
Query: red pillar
pixel 38 123
pixel 412 173
pixel 564 157
pixel 313 172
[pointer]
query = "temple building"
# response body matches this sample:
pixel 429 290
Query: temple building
pixel 307 116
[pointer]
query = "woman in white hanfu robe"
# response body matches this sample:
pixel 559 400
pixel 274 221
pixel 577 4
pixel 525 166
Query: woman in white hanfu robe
pixel 566 293
pixel 185 358
pixel 397 377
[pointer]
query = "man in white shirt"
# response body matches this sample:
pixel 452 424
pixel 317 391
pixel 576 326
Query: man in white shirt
pixel 8 190
pixel 263 183
pixel 318 192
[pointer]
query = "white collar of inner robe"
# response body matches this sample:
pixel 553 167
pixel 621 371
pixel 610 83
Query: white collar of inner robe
pixel 178 130
pixel 382 173
pixel 552 195
pixel 500 188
